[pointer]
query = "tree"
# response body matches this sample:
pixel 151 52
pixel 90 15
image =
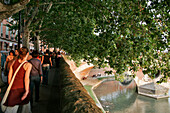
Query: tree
pixel 32 15
pixel 117 33
pixel 7 10
pixel 130 33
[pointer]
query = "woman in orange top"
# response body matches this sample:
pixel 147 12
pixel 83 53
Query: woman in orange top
pixel 8 62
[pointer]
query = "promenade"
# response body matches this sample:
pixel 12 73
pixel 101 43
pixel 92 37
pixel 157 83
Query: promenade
pixel 62 84
pixel 49 95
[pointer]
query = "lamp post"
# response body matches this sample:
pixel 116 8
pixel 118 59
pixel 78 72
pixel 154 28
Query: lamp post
pixel 19 27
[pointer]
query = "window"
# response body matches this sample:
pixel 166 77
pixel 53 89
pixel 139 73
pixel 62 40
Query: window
pixel 11 35
pixel 2 29
pixel 7 29
pixel 10 19
pixel 12 38
pixel 7 36
pixel 16 35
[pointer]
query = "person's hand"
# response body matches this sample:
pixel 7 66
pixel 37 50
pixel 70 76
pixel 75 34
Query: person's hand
pixel 24 95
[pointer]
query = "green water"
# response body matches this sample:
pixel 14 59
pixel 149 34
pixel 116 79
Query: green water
pixel 116 98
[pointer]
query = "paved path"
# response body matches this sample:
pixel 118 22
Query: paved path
pixel 49 95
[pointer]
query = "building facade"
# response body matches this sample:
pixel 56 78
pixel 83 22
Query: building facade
pixel 8 39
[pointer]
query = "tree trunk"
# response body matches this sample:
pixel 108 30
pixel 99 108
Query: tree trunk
pixel 25 39
pixel 36 43
pixel 5 12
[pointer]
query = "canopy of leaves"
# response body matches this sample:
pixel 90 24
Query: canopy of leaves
pixel 118 33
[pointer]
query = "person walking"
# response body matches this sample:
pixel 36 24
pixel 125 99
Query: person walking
pixel 35 76
pixel 57 58
pixel 46 62
pixel 16 54
pixel 9 60
pixel 3 59
pixel 19 93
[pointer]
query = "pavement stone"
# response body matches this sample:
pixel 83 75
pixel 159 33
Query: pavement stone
pixel 49 95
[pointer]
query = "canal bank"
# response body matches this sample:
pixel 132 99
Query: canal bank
pixel 133 99
pixel 117 99
pixel 90 84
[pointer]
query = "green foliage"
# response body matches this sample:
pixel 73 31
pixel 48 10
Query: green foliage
pixel 14 1
pixel 129 32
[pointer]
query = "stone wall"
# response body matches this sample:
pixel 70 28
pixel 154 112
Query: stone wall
pixel 74 97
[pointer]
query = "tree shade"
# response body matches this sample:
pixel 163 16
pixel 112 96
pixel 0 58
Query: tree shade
pixel 122 34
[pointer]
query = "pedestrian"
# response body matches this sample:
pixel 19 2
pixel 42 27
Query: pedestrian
pixel 31 52
pixel 35 76
pixel 3 59
pixel 29 56
pixel 19 94
pixel 9 60
pixel 46 62
pixel 16 54
pixel 57 58
pixel 40 56
pixel 51 56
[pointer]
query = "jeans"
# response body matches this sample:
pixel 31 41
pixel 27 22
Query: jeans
pixel 2 63
pixel 45 75
pixel 35 81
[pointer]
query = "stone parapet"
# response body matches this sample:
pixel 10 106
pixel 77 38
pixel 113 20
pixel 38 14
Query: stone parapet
pixel 74 97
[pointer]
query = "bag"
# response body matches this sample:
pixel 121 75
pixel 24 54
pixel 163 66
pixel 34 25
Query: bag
pixel 3 107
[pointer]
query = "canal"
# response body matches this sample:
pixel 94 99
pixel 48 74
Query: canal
pixel 118 98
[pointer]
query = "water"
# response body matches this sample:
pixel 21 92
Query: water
pixel 117 98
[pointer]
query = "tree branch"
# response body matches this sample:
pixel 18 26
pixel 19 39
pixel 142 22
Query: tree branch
pixel 45 30
pixel 8 10
pixel 12 7
pixel 32 17
pixel 49 7
pixel 60 3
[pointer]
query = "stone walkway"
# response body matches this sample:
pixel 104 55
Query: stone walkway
pixel 49 95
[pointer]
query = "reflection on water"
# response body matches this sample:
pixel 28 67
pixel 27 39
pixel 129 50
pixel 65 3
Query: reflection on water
pixel 117 98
